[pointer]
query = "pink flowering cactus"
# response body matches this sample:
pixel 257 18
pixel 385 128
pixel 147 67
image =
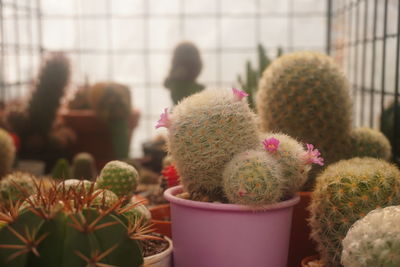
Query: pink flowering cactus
pixel 271 144
pixel 164 120
pixel 239 94
pixel 313 156
pixel 242 191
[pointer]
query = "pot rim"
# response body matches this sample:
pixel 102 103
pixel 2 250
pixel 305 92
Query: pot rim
pixel 159 256
pixel 170 193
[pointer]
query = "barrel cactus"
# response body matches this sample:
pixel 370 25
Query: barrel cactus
pixel 345 192
pixel 65 230
pixel 253 178
pixel 206 130
pixel 83 166
pixel 374 240
pixel 16 186
pixel 7 153
pixel 366 142
pixel 119 177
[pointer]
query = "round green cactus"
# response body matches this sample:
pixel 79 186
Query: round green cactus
pixel 290 155
pixel 345 192
pixel 7 153
pixel 253 178
pixel 75 184
pixel 140 212
pixel 104 198
pixel 205 131
pixel 16 186
pixel 119 177
pixel 367 142
pixel 83 166
pixel 374 240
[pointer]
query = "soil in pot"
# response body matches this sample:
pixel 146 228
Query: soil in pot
pixel 151 247
pixel 157 253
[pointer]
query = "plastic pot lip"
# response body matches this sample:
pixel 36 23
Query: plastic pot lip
pixel 170 195
pixel 158 257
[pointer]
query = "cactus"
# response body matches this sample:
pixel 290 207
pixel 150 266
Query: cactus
pixel 206 130
pixel 7 153
pixel 250 82
pixel 186 67
pixel 367 142
pixel 75 184
pixel 112 103
pixel 105 198
pixel 83 166
pixel 16 186
pixel 387 125
pixel 374 240
pixel 290 156
pixel 139 212
pixel 253 178
pixel 345 192
pixel 119 177
pixel 65 230
pixel 305 95
pixel 61 170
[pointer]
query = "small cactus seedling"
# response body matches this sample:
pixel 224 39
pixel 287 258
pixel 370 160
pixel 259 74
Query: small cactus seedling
pixel 253 178
pixel 83 166
pixel 16 186
pixel 345 192
pixel 367 142
pixel 374 240
pixel 7 153
pixel 65 229
pixel 119 177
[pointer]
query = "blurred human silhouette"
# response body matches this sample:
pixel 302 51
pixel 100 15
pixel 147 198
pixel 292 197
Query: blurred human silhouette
pixel 185 68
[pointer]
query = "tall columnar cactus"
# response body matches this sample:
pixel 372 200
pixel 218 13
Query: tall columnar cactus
pixel 253 178
pixel 366 142
pixel 112 103
pixel 16 186
pixel 185 68
pixel 345 192
pixel 374 240
pixel 119 177
pixel 305 95
pixel 206 131
pixel 7 153
pixel 83 166
pixel 65 229
pixel 250 81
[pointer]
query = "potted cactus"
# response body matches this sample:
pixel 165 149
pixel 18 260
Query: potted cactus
pixel 344 193
pixel 236 184
pixel 373 240
pixel 7 153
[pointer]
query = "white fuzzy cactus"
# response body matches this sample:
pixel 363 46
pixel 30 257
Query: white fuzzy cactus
pixel 374 240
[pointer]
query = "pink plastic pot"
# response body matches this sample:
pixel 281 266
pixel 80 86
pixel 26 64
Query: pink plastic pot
pixel 227 235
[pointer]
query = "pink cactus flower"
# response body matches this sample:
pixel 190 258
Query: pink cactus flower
pixel 313 156
pixel 164 120
pixel 271 144
pixel 239 94
pixel 242 191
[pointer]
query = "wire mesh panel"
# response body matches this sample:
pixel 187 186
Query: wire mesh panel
pixel 131 41
pixel 365 41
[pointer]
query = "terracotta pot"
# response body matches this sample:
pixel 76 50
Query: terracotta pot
pixel 306 260
pixel 301 245
pixel 93 135
pixel 161 219
pixel 163 259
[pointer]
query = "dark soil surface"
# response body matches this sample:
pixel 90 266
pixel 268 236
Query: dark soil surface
pixel 151 247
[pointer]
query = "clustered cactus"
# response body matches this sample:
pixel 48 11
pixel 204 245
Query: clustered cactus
pixel 83 166
pixel 345 192
pixel 306 95
pixel 119 177
pixel 16 186
pixel 7 153
pixel 64 228
pixel 374 240
pixel 216 146
pixel 185 68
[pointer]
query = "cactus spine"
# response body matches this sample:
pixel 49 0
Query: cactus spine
pixel 118 177
pixel 206 131
pixel 374 240
pixel 345 192
pixel 7 153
